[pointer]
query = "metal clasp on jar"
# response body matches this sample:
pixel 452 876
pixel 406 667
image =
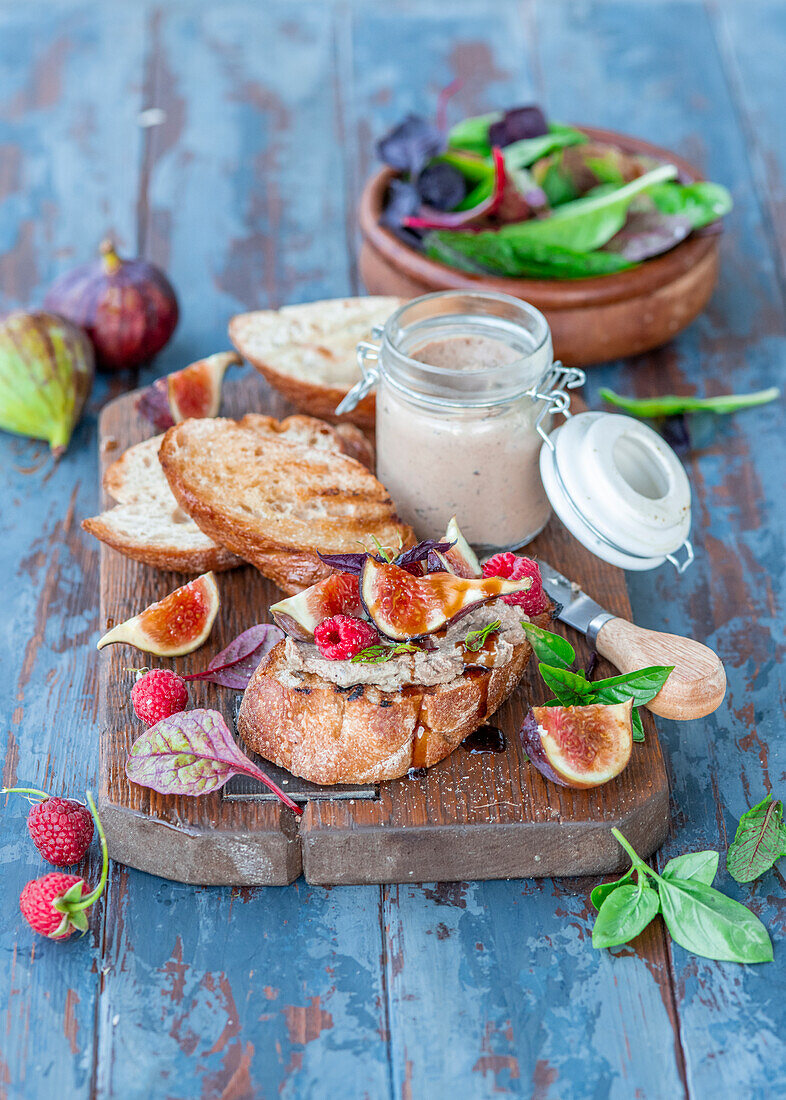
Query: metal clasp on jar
pixel 367 355
pixel 552 389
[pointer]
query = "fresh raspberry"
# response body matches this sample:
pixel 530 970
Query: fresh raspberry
pixel 512 568
pixel 62 829
pixel 158 694
pixel 343 637
pixel 39 912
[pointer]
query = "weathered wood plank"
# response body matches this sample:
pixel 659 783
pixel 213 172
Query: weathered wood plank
pixel 634 66
pixel 494 967
pixel 69 150
pixel 259 991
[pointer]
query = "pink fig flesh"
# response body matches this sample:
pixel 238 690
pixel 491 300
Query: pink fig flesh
pixel 579 747
pixel 298 616
pixel 403 607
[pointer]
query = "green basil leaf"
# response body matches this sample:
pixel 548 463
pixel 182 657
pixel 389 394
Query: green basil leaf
pixel 637 726
pixel 641 686
pixel 760 840
pixel 649 408
pixel 570 688
pixel 706 922
pixel 587 223
pixel 624 914
pixel 550 648
pixel 695 866
pixel 603 889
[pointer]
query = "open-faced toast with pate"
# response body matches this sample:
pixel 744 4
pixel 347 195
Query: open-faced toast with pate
pixel 389 665
pixel 147 523
pixel 277 504
pixel 308 352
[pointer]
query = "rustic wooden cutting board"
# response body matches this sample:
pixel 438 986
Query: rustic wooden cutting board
pixel 483 816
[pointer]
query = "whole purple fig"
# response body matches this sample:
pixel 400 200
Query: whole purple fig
pixel 127 307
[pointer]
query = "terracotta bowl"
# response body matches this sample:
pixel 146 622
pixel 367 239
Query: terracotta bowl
pixel 592 320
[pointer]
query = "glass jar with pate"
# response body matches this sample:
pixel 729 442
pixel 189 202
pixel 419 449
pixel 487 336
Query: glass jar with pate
pixel 465 388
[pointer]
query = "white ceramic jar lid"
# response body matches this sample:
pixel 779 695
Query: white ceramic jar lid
pixel 620 489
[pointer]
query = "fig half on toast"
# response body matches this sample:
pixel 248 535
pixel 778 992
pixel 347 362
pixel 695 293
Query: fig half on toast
pixel 403 607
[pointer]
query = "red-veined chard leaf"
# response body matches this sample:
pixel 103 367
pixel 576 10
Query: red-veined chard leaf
pixel 192 753
pixel 234 666
pixel 760 840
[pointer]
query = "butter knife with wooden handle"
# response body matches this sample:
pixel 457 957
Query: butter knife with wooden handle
pixel 694 689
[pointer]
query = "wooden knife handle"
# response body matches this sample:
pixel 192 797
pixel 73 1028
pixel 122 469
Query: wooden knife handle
pixel 697 685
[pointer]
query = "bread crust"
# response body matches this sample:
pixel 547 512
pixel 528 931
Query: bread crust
pixel 293 564
pixel 315 340
pixel 315 399
pixel 216 559
pixel 327 734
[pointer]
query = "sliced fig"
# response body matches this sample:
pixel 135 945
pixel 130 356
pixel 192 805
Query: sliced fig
pixel 195 391
pixel 178 624
pixel 338 594
pixel 460 559
pixel 579 746
pixel 403 607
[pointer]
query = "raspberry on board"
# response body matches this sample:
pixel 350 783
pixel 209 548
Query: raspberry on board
pixel 342 637
pixel 514 568
pixel 158 694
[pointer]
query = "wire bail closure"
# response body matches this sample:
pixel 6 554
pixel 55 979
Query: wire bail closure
pixel 552 391
pixel 366 353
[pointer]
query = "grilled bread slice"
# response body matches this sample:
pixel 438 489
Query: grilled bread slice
pixel 329 734
pixel 276 504
pixel 307 352
pixel 149 525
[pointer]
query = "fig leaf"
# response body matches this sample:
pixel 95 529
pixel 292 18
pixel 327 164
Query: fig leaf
pixel 234 666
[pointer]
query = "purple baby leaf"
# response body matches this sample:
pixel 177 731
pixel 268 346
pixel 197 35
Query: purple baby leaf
pixel 345 563
pixel 421 552
pixel 518 124
pixel 409 146
pixel 192 753
pixel 153 404
pixel 234 666
pixel 648 233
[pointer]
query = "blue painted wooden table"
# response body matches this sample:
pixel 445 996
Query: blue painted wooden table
pixel 245 192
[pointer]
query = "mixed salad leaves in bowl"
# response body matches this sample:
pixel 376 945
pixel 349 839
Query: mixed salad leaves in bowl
pixel 514 194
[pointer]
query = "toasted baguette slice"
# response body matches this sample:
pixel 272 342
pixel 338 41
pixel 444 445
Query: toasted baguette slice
pixel 307 352
pixel 150 526
pixel 276 504
pixel 165 540
pixel 328 734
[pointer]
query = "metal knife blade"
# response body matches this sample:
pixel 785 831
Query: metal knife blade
pixel 577 609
